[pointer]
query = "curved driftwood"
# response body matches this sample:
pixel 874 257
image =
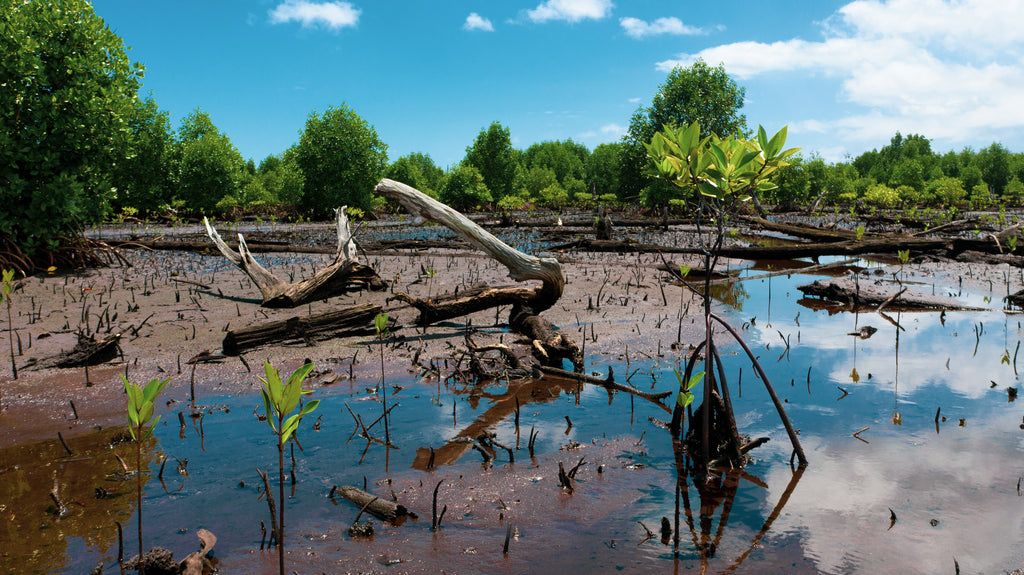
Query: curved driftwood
pixel 329 281
pixel 549 347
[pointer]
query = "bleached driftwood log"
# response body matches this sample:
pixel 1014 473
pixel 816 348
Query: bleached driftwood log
pixel 527 303
pixel 332 280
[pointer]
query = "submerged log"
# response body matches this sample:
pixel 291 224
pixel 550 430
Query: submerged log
pixel 332 280
pixel 863 292
pixel 352 321
pixel 527 303
pixel 380 508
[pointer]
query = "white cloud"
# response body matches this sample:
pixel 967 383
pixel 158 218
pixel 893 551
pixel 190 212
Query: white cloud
pixel 334 15
pixel 950 69
pixel 570 10
pixel 476 22
pixel 613 130
pixel 637 28
pixel 841 505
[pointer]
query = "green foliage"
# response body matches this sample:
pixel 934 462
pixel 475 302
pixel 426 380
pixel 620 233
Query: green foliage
pixel 142 177
pixel 140 406
pixel 208 167
pixel 380 323
pixel 68 93
pixel 6 287
pixel 536 179
pixel 464 188
pixel 281 398
pixel 510 203
pixel 494 158
pixel 602 169
pixel 698 94
pixel 419 171
pixel 566 159
pixel 994 163
pixel 793 185
pixel 1014 191
pixel 685 396
pixel 282 178
pixel 553 196
pixel 860 232
pixel 948 191
pixel 716 171
pixel 882 196
pixel 342 159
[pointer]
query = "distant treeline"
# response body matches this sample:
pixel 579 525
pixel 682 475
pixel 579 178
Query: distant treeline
pixel 79 145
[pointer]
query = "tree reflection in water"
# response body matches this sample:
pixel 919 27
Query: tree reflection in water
pixel 716 489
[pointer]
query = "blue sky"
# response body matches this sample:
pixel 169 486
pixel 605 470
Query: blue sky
pixel 844 76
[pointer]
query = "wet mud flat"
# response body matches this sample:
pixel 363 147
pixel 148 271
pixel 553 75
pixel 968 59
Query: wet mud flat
pixel 628 317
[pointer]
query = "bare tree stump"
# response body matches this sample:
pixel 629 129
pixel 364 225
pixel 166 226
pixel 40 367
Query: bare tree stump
pixel 331 280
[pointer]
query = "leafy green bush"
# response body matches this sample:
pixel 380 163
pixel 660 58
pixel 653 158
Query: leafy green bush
pixel 553 196
pixel 510 203
pixel 464 188
pixel 948 191
pixel 882 196
pixel 68 91
pixel 342 159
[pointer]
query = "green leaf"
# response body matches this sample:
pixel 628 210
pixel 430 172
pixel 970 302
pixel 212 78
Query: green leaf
pixel 684 270
pixel 150 429
pixel 289 428
pixel 776 143
pixel 293 389
pixel 273 384
pixel 145 412
pixel 762 137
pixel 684 398
pixel 695 380
pixel 268 409
pixel 380 321
pixel 154 388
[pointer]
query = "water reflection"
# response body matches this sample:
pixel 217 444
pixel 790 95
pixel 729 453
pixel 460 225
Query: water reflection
pixel 91 485
pixel 954 493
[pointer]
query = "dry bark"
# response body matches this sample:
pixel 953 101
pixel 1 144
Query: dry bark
pixel 380 508
pixel 865 292
pixel 356 320
pixel 527 303
pixel 332 280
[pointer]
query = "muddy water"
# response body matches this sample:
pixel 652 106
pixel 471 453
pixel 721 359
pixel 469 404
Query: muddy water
pixel 951 482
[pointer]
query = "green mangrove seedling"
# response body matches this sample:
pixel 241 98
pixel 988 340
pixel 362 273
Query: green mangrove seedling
pixel 6 288
pixel 140 412
pixel 280 399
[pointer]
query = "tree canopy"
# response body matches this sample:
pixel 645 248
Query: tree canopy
pixel 699 93
pixel 492 154
pixel 342 159
pixel 68 97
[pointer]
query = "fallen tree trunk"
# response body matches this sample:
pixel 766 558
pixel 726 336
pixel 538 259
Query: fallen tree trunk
pixel 380 508
pixel 886 245
pixel 866 292
pixel 332 280
pixel 801 231
pixel 527 303
pixel 352 321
